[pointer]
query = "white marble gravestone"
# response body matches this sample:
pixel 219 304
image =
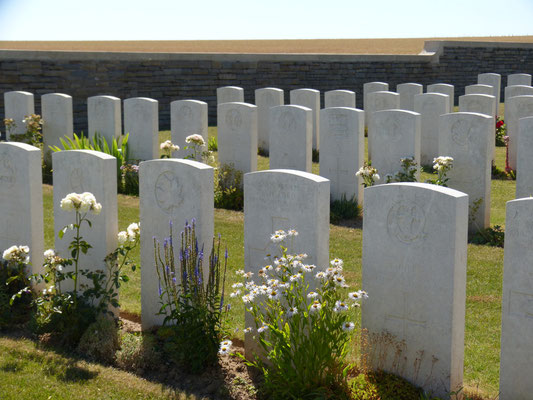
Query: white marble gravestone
pixel 284 199
pixel 517 90
pixel 265 99
pixel 493 80
pixel 104 117
pixel 309 98
pixel 21 200
pixel 187 117
pixel 342 151
pixel 414 266
pixel 237 136
pixel 58 123
pixel 141 121
pixel 481 104
pixel 395 135
pixel 79 171
pixel 378 101
pixel 519 79
pixel 524 159
pixel 467 138
pixel 443 88
pixel 339 98
pixel 516 353
pixel 479 89
pixel 291 131
pixel 430 106
pixel 407 92
pixel 18 105
pixel 230 94
pixel 371 87
pixel 171 190
pixel 515 108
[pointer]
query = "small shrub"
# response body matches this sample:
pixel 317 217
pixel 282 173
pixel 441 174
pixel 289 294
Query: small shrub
pixel 212 144
pixel 368 173
pixel 407 173
pixel 137 352
pixel 491 236
pixel 191 302
pixel 229 193
pixel 33 134
pixel 441 165
pixel 130 176
pixel 12 280
pixel 344 209
pixel 100 340
pixel 501 132
pixel 315 156
pixel 497 173
pixel 382 386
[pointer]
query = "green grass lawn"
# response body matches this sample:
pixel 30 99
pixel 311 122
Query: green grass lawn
pixel 483 315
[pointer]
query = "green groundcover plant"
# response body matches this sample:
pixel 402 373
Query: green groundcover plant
pixel 301 325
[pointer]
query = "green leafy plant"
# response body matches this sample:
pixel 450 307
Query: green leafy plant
pixel 442 165
pixel 118 149
pixel 229 193
pixel 491 236
pixel 191 302
pixel 407 173
pixel 380 385
pixel 100 340
pixel 344 209
pixel 501 132
pixel 368 173
pixel 303 332
pixel 212 144
pixel 130 178
pixel 66 314
pixel 196 143
pixel 33 134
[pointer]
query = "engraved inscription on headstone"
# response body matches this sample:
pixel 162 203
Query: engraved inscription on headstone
pixel 406 222
pixel 168 192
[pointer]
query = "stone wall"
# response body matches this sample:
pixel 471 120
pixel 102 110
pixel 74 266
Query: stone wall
pixel 167 76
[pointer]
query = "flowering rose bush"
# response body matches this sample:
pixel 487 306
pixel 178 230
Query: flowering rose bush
pixel 368 173
pixel 301 324
pixel 501 130
pixel 13 278
pixel 441 165
pixel 197 145
pixel 167 147
pixel 407 173
pixel 33 134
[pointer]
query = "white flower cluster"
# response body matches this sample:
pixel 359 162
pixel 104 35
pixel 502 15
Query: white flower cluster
pixel 225 347
pixel 281 235
pixel 169 146
pixel 442 163
pixel 130 234
pixel 17 254
pixel 195 139
pixel 369 172
pixel 81 202
pixel 50 257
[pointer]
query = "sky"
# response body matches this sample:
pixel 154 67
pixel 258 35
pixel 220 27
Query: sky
pixel 253 19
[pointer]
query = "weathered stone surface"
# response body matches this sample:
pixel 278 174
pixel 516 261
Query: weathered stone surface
pixel 524 161
pixel 104 116
pixel 187 117
pixel 342 151
pixel 430 106
pixel 58 122
pixel 339 98
pixel 515 108
pixel 378 101
pixel 495 81
pixel 141 121
pixel 414 266
pixel 371 87
pixel 309 98
pixel 265 99
pixel 176 191
pixel 18 105
pixel 407 92
pixel 443 88
pixel 519 79
pixel 230 94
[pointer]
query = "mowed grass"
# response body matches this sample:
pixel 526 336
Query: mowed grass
pixel 484 275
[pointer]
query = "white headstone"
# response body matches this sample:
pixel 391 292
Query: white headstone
pixel 284 199
pixel 414 265
pixel 309 98
pixel 342 151
pixel 395 135
pixel 515 108
pixel 495 81
pixel 18 105
pixel 519 79
pixel 371 87
pixel 290 137
pixel 479 89
pixel 516 368
pixel 407 92
pixel 517 90
pixel 467 138
pixel 230 94
pixel 57 121
pixel 237 136
pixel 524 160
pixel 187 117
pixel 443 88
pixel 378 101
pixel 79 171
pixel 171 191
pixel 141 121
pixel 21 200
pixel 265 99
pixel 430 106
pixel 104 116
pixel 481 104
pixel 339 98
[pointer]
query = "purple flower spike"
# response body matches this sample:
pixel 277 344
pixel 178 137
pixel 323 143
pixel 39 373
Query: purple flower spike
pixel 193 221
pixel 160 291
pixel 226 254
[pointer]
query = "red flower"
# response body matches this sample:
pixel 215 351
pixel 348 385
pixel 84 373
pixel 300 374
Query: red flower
pixel 499 123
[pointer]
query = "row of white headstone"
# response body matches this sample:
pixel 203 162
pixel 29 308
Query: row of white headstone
pixel 414 250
